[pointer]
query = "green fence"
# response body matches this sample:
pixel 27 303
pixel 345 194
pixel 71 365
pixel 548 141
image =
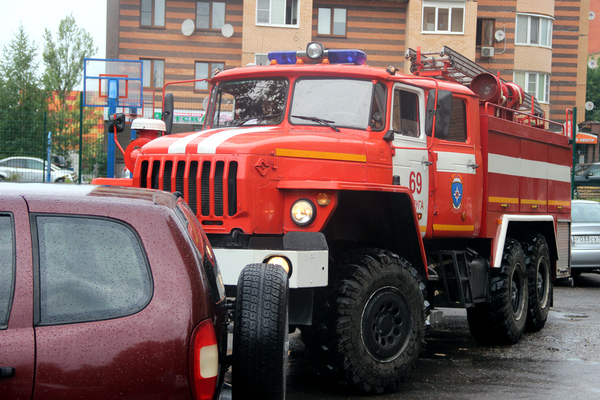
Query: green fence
pixel 76 142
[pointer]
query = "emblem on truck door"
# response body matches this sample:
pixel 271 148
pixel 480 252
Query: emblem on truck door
pixel 457 192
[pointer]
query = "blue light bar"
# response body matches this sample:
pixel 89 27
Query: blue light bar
pixel 347 57
pixel 356 57
pixel 283 57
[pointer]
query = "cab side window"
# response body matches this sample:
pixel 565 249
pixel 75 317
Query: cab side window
pixel 89 269
pixel 458 121
pixel 406 113
pixel 7 267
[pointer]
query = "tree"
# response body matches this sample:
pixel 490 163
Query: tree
pixel 592 93
pixel 22 99
pixel 64 61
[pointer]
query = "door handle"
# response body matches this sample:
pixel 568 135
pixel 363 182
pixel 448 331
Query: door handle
pixel 7 372
pixel 426 163
pixel 472 165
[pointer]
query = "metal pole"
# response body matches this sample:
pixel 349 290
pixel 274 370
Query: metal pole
pixel 80 137
pixel 44 130
pixel 574 136
pixel 49 158
pixel 113 93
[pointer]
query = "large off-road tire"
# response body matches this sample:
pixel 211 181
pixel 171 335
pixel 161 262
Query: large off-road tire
pixel 368 328
pixel 537 256
pixel 502 320
pixel 260 339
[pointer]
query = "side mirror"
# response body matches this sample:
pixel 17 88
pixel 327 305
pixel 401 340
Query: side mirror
pixel 442 113
pixel 116 121
pixel 168 108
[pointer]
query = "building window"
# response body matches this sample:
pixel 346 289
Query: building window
pixel 152 13
pixel 261 59
pixel 202 71
pixel 210 15
pixel 443 16
pixel 534 83
pixel 154 73
pixel 332 21
pixel 277 12
pixel 534 30
pixel 485 32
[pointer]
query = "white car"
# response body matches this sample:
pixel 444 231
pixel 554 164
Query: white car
pixel 31 169
pixel 585 236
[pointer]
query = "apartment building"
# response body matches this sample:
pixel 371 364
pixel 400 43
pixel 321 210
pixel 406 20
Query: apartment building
pixel 540 44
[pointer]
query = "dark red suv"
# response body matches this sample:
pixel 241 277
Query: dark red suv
pixel 110 292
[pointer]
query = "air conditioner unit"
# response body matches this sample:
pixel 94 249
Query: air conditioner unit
pixel 487 52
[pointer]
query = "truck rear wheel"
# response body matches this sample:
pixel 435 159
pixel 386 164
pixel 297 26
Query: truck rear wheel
pixel 502 320
pixel 371 333
pixel 537 255
pixel 260 339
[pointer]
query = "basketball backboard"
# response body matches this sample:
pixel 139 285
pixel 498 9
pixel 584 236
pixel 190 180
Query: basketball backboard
pixel 117 81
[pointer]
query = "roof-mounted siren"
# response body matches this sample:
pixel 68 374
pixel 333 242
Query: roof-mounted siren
pixel 489 88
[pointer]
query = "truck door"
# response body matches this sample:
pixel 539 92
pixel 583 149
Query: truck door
pixel 411 162
pixel 457 180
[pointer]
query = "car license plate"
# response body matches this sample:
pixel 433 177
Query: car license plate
pixel 586 239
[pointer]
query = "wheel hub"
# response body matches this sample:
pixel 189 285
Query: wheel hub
pixel 386 324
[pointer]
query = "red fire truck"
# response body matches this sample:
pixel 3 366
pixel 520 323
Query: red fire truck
pixel 384 195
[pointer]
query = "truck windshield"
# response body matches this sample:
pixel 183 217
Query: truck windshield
pixel 249 102
pixel 349 103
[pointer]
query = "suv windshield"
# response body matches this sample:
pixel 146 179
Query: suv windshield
pixel 249 102
pixel 349 103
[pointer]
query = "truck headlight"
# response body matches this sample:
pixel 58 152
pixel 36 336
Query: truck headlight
pixel 303 212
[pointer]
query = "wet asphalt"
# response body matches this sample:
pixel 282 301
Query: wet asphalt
pixel 560 362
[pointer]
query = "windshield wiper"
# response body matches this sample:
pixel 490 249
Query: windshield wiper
pixel 319 121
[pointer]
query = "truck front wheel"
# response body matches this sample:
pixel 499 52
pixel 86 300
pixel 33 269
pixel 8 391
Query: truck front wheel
pixel 372 333
pixel 502 320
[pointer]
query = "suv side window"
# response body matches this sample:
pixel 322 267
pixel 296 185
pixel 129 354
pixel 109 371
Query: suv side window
pixel 7 267
pixel 89 269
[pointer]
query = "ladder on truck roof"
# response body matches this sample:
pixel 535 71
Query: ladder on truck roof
pixel 453 66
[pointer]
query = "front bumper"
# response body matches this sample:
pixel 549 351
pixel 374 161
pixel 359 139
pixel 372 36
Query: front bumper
pixel 309 267
pixel 307 253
